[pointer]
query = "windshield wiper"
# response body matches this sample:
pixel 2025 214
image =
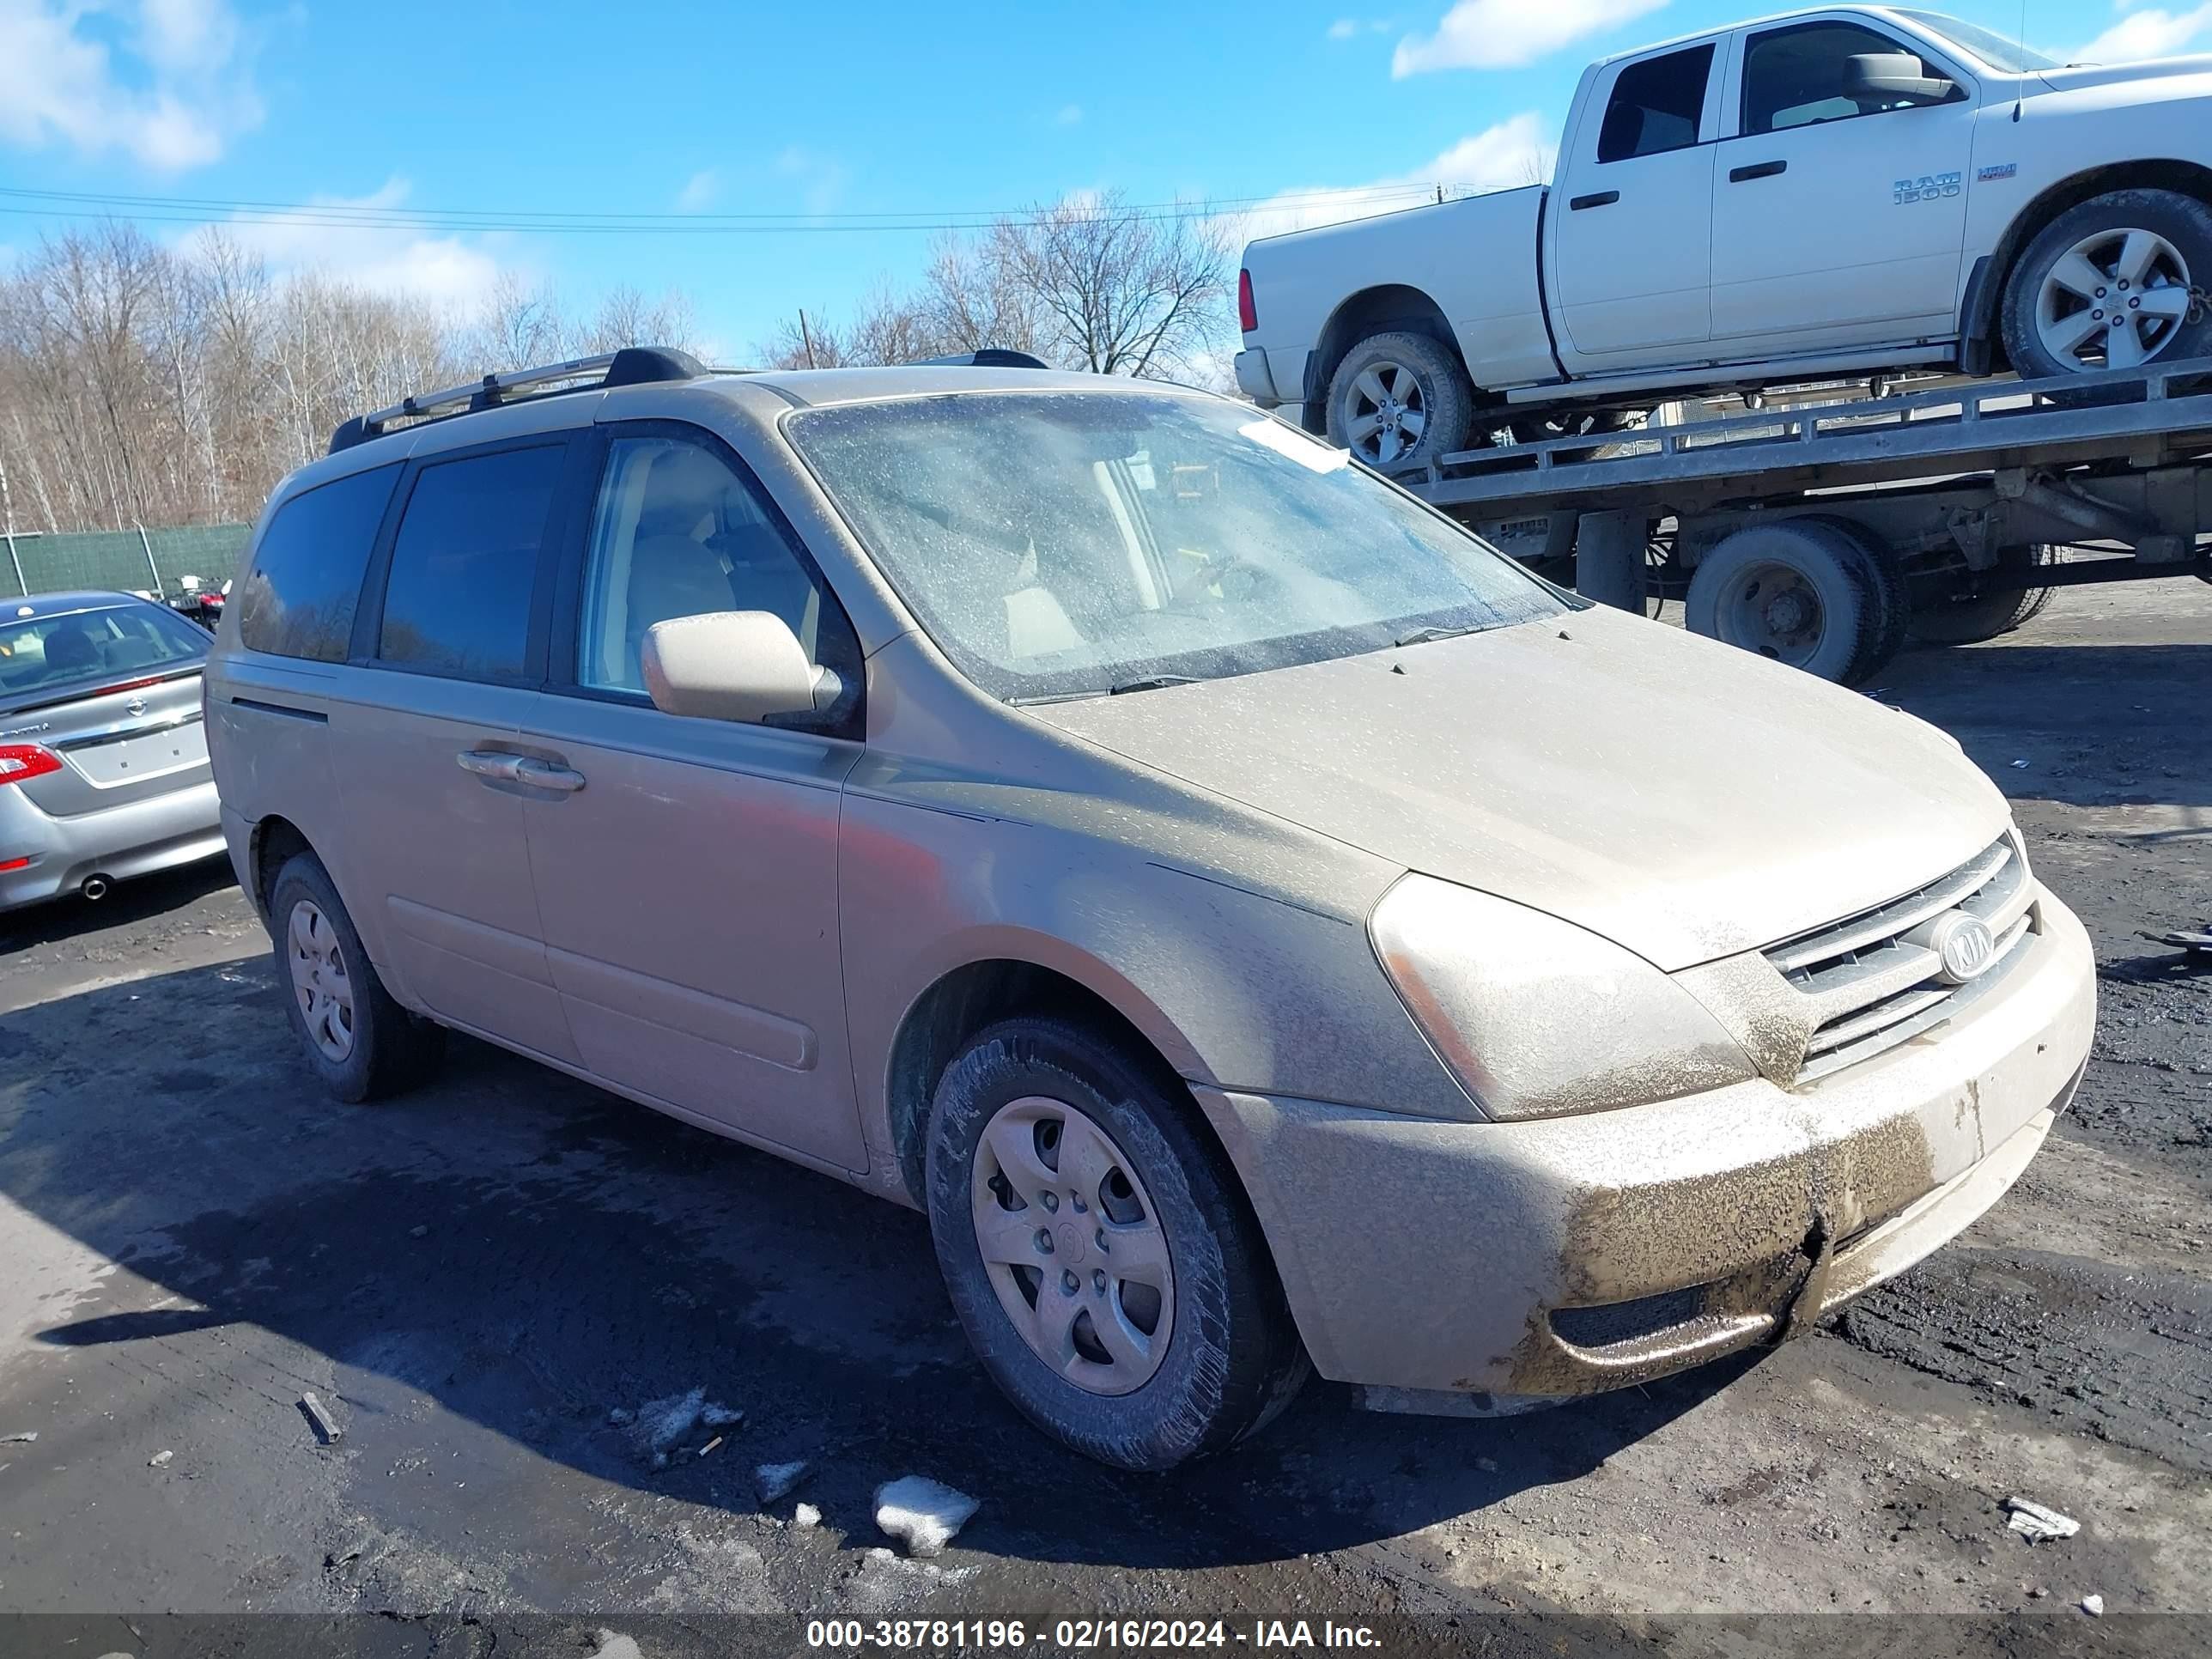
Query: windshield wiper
pixel 1423 635
pixel 1149 683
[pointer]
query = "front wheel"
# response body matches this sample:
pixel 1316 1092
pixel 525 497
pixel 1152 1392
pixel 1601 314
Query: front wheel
pixel 1107 1271
pixel 2113 282
pixel 1399 400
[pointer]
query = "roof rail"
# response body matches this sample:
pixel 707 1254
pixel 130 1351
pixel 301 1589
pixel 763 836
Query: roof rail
pixel 984 357
pixel 631 366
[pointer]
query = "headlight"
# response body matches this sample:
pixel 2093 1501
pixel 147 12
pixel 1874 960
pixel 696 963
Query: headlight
pixel 1539 1017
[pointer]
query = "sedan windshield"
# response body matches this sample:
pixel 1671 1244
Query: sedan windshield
pixel 1074 543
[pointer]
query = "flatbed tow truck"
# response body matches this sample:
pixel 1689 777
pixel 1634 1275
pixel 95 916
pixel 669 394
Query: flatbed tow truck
pixel 1823 534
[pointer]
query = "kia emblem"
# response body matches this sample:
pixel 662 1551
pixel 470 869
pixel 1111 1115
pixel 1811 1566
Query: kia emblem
pixel 1966 946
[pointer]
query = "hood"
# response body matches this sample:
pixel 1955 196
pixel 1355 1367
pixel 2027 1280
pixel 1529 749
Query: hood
pixel 2077 75
pixel 1684 799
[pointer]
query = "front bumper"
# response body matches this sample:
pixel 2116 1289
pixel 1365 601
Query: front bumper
pixel 117 842
pixel 1483 1266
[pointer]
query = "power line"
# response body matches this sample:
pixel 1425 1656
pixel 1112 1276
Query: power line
pixel 202 210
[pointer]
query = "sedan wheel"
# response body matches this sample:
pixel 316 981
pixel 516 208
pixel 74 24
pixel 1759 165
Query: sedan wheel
pixel 2114 300
pixel 320 982
pixel 1073 1246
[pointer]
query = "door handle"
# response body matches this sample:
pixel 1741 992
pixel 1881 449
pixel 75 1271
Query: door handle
pixel 547 774
pixel 1602 198
pixel 1757 170
pixel 490 763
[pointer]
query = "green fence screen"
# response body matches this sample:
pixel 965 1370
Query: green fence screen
pixel 156 562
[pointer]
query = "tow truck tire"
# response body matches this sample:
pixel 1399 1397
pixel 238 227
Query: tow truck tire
pixel 1892 598
pixel 1418 375
pixel 1968 618
pixel 1801 592
pixel 2041 314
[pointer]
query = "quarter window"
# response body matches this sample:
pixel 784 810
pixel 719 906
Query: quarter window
pixel 1801 76
pixel 677 532
pixel 464 563
pixel 1656 104
pixel 299 597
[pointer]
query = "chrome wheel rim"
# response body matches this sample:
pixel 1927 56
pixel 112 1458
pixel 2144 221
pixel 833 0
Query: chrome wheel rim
pixel 1073 1246
pixel 2114 300
pixel 1385 411
pixel 319 980
pixel 1773 610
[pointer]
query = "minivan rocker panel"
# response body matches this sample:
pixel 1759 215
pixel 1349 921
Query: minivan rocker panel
pixel 1545 1003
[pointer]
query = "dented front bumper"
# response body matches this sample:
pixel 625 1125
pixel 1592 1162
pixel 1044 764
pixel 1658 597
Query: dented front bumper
pixel 1487 1266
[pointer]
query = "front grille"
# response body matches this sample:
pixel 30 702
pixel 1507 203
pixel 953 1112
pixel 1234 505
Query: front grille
pixel 1872 987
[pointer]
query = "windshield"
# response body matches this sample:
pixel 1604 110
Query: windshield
pixel 1992 48
pixel 97 644
pixel 1073 543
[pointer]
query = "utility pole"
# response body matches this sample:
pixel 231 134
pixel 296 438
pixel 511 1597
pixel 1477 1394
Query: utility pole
pixel 804 338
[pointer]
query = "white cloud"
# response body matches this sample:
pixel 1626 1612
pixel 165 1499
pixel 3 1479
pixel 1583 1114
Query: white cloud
pixel 1346 28
pixel 821 178
pixel 699 192
pixel 1067 115
pixel 1506 34
pixel 1501 157
pixel 452 272
pixel 2150 32
pixel 168 81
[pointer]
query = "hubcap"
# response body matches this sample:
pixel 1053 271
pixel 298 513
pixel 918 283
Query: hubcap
pixel 319 980
pixel 1774 610
pixel 2116 299
pixel 1385 412
pixel 1073 1246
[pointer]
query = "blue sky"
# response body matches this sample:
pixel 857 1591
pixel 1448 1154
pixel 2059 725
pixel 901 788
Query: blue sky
pixel 865 108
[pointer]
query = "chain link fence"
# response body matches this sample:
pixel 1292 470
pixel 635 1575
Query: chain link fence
pixel 132 560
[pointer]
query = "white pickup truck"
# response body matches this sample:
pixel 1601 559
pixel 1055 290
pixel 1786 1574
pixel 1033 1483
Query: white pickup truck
pixel 1831 192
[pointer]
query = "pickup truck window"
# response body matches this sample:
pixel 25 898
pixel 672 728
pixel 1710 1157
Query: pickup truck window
pixel 1655 105
pixel 1802 75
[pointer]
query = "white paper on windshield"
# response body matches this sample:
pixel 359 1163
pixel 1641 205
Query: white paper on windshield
pixel 1315 457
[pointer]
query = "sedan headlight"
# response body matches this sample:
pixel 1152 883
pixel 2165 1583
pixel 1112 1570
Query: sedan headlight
pixel 1539 1017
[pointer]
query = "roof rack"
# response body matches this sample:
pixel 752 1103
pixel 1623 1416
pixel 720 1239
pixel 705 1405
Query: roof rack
pixel 631 366
pixel 984 357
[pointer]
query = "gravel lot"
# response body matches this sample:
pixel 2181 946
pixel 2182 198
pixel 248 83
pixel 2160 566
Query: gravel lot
pixel 474 1277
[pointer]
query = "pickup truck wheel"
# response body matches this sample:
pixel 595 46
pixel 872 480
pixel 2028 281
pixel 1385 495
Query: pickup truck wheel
pixel 1959 616
pixel 1398 399
pixel 1802 591
pixel 2113 282
pixel 1107 1271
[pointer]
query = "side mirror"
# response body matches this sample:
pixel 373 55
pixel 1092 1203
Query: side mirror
pixel 731 665
pixel 1893 78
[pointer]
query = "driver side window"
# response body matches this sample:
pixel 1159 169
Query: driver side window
pixel 1801 76
pixel 677 532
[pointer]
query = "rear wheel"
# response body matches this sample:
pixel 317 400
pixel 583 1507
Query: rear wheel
pixel 1399 399
pixel 1959 614
pixel 2113 282
pixel 1108 1272
pixel 1801 592
pixel 359 1040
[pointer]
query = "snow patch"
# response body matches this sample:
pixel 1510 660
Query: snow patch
pixel 922 1513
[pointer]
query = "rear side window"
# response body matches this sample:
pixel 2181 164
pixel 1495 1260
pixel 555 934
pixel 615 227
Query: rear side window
pixel 464 563
pixel 300 596
pixel 1656 104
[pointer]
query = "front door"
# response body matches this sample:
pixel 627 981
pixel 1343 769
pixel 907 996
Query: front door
pixel 687 868
pixel 1838 213
pixel 1631 231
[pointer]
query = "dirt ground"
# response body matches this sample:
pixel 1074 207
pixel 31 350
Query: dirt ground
pixel 474 1277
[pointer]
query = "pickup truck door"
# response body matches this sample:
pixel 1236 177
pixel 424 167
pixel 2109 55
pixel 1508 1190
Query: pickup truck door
pixel 1630 228
pixel 1840 210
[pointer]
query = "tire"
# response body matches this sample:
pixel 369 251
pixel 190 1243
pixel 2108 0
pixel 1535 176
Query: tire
pixel 1893 599
pixel 384 1048
pixel 1963 617
pixel 1220 1357
pixel 1801 592
pixel 1419 376
pixel 2039 312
